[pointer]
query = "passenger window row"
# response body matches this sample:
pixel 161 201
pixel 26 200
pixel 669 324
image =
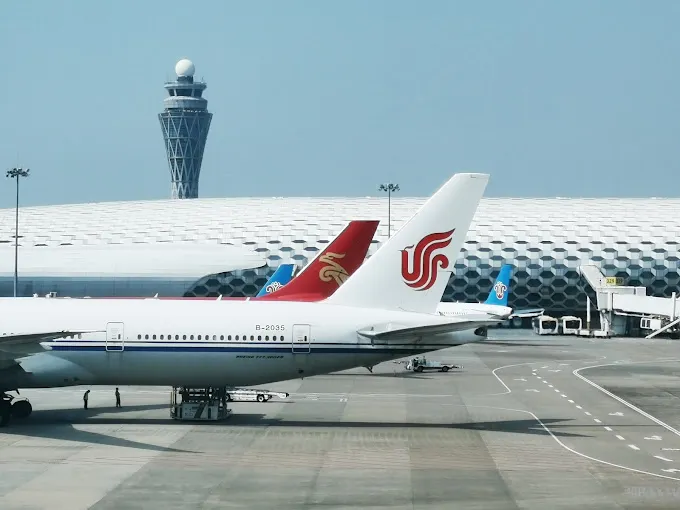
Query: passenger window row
pixel 222 338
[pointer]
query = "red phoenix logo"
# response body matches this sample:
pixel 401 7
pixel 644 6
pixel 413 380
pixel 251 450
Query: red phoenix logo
pixel 419 267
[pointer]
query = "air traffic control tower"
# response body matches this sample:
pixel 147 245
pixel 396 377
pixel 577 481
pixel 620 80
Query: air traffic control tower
pixel 185 121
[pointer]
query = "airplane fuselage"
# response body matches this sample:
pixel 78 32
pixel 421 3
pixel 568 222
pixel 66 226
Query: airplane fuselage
pixel 202 343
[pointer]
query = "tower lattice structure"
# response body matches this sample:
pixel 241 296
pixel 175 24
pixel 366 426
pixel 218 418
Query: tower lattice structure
pixel 185 122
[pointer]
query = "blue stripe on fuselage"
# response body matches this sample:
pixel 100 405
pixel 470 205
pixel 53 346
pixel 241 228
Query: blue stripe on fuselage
pixel 284 349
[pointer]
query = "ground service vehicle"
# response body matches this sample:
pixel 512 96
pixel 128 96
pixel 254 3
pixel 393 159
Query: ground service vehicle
pixel 421 364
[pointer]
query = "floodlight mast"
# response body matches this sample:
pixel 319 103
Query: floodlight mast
pixel 389 188
pixel 16 173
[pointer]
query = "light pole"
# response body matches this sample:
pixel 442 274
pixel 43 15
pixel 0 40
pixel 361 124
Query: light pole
pixel 390 188
pixel 15 173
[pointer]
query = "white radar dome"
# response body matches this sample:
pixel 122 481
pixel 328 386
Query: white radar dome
pixel 185 67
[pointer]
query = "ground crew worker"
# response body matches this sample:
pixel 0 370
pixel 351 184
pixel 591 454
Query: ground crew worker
pixel 117 398
pixel 85 398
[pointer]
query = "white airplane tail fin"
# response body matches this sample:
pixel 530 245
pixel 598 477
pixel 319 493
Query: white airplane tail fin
pixel 411 269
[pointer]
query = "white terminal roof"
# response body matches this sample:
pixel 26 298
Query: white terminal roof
pixel 266 227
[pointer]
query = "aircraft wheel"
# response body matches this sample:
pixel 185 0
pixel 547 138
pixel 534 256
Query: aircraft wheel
pixel 228 396
pixel 445 369
pixel 260 398
pixel 5 414
pixel 21 409
pixel 419 369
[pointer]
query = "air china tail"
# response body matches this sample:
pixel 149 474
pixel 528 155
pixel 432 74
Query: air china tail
pixel 331 267
pixel 410 271
pixel 282 276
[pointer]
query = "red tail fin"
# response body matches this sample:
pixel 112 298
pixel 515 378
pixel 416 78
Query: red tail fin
pixel 331 267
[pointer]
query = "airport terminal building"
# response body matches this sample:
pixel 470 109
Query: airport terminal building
pixel 230 246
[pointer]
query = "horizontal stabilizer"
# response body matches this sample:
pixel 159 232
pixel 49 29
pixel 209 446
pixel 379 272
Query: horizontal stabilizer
pixel 527 312
pixel 392 331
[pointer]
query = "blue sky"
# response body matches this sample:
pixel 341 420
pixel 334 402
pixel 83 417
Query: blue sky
pixel 310 98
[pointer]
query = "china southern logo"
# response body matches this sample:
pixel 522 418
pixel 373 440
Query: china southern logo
pixel 500 289
pixel 419 267
pixel 333 271
pixel 273 287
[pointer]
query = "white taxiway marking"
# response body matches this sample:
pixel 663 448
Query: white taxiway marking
pixel 621 438
pixel 550 385
pixel 538 376
pixel 571 450
pixel 671 449
pixel 672 470
pixel 624 402
pixel 521 379
pixel 662 458
pixel 596 420
pixel 571 401
pixel 653 438
pixel 535 391
pixel 563 365
pixel 557 390
pixel 544 381
pixel 615 414
pixel 587 413
pixel 579 407
pixel 608 429
pixel 545 366
pixel 633 447
pixel 556 370
pixel 508 390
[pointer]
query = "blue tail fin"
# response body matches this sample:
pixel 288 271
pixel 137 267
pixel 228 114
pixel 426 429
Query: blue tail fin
pixel 282 276
pixel 501 287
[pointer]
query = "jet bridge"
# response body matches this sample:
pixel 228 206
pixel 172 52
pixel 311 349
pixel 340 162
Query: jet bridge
pixel 618 304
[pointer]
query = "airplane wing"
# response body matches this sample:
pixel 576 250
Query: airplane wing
pixel 527 312
pixel 392 331
pixel 29 342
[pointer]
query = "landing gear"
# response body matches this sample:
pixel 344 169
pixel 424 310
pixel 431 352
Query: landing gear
pixel 199 404
pixel 5 409
pixel 21 409
pixel 13 407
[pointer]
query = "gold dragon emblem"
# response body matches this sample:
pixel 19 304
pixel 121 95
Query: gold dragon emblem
pixel 333 271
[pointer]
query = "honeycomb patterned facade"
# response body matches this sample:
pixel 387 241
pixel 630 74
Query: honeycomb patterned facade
pixel 545 239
